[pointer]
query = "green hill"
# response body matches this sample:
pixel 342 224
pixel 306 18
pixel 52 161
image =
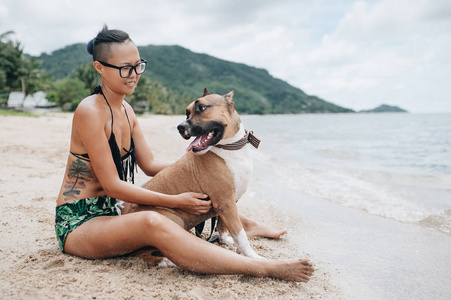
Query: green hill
pixel 384 108
pixel 187 73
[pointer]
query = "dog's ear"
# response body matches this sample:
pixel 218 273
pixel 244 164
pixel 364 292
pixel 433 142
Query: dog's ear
pixel 229 96
pixel 206 92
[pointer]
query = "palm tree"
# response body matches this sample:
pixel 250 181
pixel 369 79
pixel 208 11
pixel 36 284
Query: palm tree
pixel 5 34
pixel 88 74
pixel 79 171
pixel 7 51
pixel 11 57
pixel 19 72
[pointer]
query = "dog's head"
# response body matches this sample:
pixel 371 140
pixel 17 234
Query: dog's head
pixel 210 119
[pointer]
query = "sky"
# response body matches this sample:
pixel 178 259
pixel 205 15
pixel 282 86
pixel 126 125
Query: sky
pixel 356 54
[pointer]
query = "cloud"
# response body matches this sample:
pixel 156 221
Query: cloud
pixel 3 11
pixel 353 53
pixel 382 46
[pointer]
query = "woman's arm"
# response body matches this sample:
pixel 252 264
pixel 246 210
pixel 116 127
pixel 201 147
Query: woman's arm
pixel 89 126
pixel 144 156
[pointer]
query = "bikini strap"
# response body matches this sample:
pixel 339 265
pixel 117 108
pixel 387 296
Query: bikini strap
pixel 128 120
pixel 111 111
pixel 98 90
pixel 84 156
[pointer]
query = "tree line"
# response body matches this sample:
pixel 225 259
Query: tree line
pixel 175 77
pixel 20 72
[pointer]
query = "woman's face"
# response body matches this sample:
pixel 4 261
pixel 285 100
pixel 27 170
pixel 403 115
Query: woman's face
pixel 121 54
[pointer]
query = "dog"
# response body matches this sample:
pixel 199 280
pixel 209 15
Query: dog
pixel 218 163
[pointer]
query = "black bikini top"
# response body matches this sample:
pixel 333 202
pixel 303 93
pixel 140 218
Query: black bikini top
pixel 126 164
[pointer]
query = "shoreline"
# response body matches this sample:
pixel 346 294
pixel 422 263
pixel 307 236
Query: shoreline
pixel 33 155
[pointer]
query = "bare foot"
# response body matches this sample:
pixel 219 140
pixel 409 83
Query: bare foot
pixel 299 270
pixel 253 228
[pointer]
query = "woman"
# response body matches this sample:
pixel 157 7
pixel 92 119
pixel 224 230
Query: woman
pixel 106 143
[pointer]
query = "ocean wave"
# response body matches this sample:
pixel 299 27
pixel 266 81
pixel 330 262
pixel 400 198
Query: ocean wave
pixel 384 194
pixel 441 221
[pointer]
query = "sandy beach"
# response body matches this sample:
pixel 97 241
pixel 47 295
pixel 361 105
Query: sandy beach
pixel 33 155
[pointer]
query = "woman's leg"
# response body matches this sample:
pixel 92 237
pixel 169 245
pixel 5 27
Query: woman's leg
pixel 112 236
pixel 253 228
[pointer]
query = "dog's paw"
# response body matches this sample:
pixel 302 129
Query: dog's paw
pixel 166 263
pixel 260 257
pixel 226 239
pixel 249 252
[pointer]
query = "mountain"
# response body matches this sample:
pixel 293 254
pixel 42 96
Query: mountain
pixel 62 62
pixel 384 108
pixel 187 73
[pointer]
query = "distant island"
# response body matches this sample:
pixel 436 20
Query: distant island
pixel 384 108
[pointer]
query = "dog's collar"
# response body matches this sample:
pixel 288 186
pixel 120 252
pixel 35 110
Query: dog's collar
pixel 248 138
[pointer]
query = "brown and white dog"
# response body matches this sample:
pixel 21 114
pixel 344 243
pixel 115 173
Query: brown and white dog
pixel 217 163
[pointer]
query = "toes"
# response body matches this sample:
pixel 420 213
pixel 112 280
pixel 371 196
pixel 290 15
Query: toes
pixel 277 234
pixel 308 267
pixel 307 263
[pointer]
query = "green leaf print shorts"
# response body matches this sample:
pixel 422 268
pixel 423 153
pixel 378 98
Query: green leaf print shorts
pixel 71 215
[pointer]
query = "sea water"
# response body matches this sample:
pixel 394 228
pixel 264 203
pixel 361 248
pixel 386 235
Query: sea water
pixel 373 192
pixel 393 165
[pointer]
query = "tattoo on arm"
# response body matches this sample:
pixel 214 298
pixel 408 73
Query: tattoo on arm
pixel 78 173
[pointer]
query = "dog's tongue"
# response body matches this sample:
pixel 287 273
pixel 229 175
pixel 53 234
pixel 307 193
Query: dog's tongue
pixel 194 144
pixel 200 142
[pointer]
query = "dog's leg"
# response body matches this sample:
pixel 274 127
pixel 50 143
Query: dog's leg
pixel 153 257
pixel 166 263
pixel 229 215
pixel 242 245
pixel 224 237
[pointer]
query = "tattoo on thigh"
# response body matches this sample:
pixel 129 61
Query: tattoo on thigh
pixel 77 174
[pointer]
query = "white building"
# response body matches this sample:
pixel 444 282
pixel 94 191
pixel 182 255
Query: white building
pixel 37 100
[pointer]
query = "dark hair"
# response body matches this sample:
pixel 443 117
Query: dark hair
pixel 99 47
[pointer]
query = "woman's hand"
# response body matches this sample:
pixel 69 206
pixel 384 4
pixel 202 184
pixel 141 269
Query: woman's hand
pixel 194 203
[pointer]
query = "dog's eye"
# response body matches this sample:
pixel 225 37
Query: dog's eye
pixel 201 108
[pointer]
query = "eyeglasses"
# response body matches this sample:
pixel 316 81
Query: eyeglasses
pixel 126 71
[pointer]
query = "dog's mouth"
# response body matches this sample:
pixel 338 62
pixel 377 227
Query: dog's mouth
pixel 202 142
